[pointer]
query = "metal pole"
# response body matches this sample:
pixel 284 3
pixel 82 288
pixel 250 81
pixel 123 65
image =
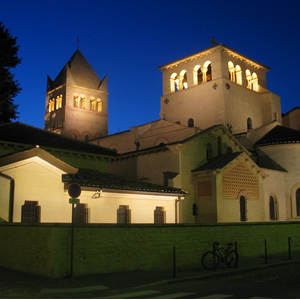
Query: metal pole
pixel 72 242
pixel 266 252
pixel 289 248
pixel 174 262
pixel 236 254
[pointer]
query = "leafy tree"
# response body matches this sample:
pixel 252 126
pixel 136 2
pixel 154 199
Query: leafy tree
pixel 9 88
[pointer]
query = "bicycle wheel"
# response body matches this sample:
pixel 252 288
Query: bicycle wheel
pixel 232 259
pixel 210 260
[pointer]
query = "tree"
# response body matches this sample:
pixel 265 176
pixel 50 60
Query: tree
pixel 9 87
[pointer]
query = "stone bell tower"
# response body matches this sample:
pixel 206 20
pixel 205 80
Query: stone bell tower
pixel 76 101
pixel 218 86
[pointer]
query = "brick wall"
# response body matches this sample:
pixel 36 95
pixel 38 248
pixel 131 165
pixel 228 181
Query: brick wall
pixel 45 249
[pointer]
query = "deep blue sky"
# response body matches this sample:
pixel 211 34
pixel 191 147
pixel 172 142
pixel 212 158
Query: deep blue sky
pixel 129 39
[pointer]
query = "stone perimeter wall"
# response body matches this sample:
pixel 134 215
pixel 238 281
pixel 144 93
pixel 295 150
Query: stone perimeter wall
pixel 45 248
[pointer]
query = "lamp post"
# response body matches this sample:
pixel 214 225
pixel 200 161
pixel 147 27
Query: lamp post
pixel 74 191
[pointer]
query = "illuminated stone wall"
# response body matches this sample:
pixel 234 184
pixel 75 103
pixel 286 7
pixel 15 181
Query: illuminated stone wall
pixel 111 248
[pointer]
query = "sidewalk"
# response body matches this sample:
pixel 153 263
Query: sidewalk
pixel 14 284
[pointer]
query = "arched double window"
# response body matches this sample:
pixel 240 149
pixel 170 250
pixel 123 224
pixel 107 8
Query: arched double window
pixel 178 82
pixel 252 80
pixel 235 73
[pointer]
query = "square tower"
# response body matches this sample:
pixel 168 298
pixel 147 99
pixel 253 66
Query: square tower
pixel 218 86
pixel 76 101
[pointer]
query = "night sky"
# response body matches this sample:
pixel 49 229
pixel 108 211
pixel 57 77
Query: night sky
pixel 129 39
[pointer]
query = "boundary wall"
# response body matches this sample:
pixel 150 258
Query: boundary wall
pixel 45 249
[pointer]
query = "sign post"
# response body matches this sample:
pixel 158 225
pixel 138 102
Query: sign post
pixel 74 191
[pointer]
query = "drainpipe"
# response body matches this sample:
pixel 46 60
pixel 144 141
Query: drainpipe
pixel 11 196
pixel 176 209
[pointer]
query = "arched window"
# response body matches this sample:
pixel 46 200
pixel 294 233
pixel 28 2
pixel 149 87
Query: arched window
pixel 76 101
pixel 86 138
pixel 184 83
pixel 298 202
pixel 243 208
pixel 99 105
pixel 249 79
pixel 249 124
pixel 254 82
pixel 238 74
pixel 190 122
pixel 198 75
pixel 208 152
pixel 208 73
pixel 231 71
pixel 174 83
pixel 273 208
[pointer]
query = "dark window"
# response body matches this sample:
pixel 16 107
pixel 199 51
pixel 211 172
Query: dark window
pixel 86 138
pixel 273 208
pixel 159 215
pixel 123 214
pixel 81 213
pixel 243 208
pixel 190 122
pixel 208 152
pixel 31 212
pixel 298 202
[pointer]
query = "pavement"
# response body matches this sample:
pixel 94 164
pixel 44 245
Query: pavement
pixel 19 285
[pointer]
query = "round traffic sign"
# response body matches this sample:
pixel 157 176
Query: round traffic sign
pixel 74 190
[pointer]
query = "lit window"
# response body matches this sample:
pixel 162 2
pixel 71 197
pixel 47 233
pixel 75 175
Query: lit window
pixel 92 104
pixel 238 74
pixel 249 79
pixel 183 80
pixel 273 208
pixel 206 70
pixel 159 215
pixel 76 101
pixel 174 83
pixel 99 105
pixel 123 214
pixel 231 71
pixel 254 82
pixel 51 105
pixel 59 102
pixel 198 76
pixel 83 103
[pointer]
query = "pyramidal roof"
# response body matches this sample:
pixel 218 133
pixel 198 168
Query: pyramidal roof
pixel 76 71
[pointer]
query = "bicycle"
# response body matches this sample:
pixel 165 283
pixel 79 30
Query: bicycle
pixel 211 259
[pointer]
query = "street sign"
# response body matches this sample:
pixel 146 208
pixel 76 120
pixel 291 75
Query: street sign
pixel 74 190
pixel 73 201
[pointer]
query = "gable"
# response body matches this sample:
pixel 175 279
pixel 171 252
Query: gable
pixel 240 178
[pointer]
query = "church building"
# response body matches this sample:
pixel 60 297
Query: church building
pixel 218 152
